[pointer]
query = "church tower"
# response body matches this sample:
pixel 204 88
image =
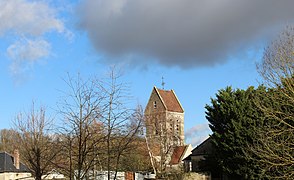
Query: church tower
pixel 164 117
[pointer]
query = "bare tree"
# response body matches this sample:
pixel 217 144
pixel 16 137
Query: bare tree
pixel 121 123
pixel 159 146
pixel 8 140
pixel 277 70
pixel 278 60
pixel 80 131
pixel 274 146
pixel 36 145
pixel 98 125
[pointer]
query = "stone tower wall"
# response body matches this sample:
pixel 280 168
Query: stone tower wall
pixel 154 115
pixel 175 127
pixel 157 118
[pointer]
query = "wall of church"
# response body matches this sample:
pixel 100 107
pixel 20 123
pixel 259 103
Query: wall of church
pixel 154 115
pixel 162 124
pixel 175 127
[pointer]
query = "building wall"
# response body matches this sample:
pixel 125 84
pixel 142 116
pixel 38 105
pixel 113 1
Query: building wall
pixel 175 127
pixel 155 116
pixel 195 162
pixel 160 122
pixel 197 176
pixel 9 176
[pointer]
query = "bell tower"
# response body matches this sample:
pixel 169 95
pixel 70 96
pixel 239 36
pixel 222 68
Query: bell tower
pixel 164 118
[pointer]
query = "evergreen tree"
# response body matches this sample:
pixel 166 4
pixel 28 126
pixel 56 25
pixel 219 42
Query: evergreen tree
pixel 234 118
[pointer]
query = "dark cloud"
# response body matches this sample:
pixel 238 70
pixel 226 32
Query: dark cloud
pixel 183 33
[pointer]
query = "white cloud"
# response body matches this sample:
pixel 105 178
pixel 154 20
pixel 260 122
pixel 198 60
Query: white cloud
pixel 195 141
pixel 30 50
pixel 25 17
pixel 199 128
pixel 185 33
pixel 26 53
pixel 196 134
pixel 28 21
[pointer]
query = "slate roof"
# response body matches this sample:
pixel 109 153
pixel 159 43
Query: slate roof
pixel 6 164
pixel 204 148
pixel 170 100
pixel 177 154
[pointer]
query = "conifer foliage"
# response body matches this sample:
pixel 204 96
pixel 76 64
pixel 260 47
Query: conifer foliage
pixel 253 129
pixel 234 118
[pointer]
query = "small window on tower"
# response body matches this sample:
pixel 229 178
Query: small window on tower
pixel 154 105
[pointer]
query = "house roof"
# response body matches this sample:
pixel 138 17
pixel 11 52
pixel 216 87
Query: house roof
pixel 204 148
pixel 177 154
pixel 6 164
pixel 170 100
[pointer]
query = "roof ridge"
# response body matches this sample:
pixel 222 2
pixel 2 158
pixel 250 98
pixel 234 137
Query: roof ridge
pixel 177 99
pixel 170 100
pixel 156 90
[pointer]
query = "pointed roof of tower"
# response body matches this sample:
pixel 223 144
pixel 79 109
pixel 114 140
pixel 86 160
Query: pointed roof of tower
pixel 170 100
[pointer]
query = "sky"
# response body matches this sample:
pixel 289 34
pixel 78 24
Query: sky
pixel 198 46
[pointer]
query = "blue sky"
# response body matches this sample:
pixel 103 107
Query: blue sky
pixel 198 47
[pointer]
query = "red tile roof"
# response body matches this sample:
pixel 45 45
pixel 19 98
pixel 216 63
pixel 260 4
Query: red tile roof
pixel 177 154
pixel 170 100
